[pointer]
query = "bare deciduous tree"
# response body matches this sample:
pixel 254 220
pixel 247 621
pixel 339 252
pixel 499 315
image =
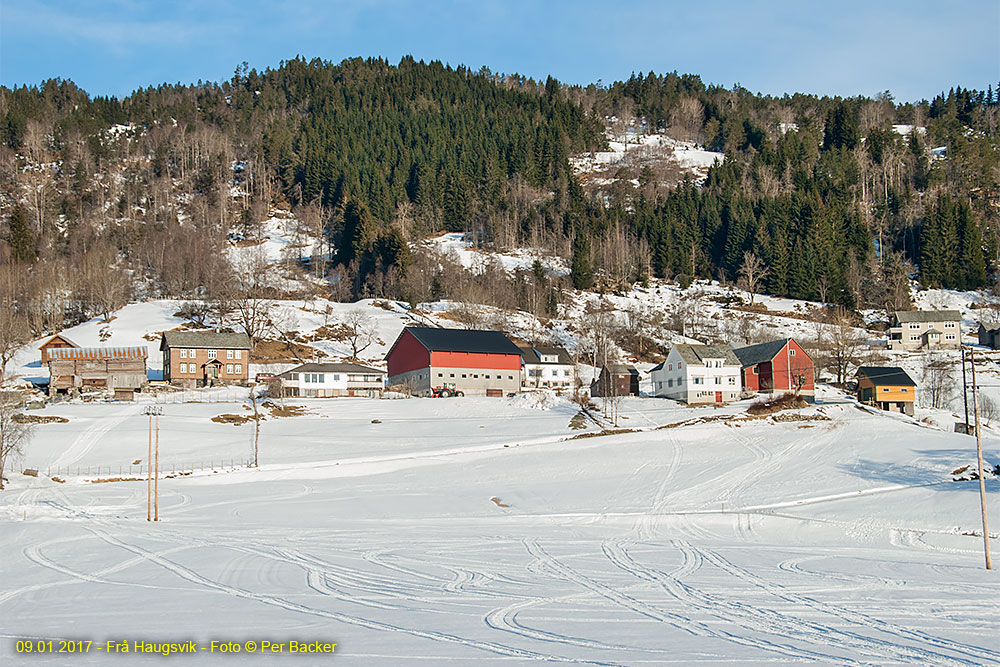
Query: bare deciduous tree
pixel 14 435
pixel 840 343
pixel 752 274
pixel 361 331
pixel 937 382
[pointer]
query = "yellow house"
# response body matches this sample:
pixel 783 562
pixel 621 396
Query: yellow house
pixel 887 388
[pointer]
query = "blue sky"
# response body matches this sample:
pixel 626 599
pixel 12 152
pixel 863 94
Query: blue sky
pixel 914 49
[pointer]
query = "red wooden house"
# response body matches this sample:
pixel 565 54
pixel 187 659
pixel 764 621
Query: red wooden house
pixel 777 366
pixel 472 361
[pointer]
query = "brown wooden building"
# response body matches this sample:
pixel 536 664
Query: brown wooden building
pixel 56 342
pixel 72 369
pixel 887 388
pixel 205 358
pixel 616 380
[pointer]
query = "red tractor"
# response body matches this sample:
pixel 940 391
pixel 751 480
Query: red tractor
pixel 446 391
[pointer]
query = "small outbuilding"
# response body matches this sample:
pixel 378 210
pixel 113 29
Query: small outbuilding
pixel 989 334
pixel 888 388
pixel 616 380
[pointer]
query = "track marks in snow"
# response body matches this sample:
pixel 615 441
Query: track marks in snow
pixel 84 442
pixel 190 575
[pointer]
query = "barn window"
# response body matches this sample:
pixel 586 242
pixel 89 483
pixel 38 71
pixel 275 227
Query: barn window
pixel 791 353
pixel 510 377
pixel 440 375
pixel 451 375
pixel 464 376
pixel 476 376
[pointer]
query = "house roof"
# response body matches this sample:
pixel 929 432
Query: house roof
pixel 330 367
pixel 95 353
pixel 58 337
pixel 533 355
pixel 751 355
pixel 887 375
pixel 620 369
pixel 206 339
pixel 696 354
pixel 990 326
pixel 929 316
pixel 461 340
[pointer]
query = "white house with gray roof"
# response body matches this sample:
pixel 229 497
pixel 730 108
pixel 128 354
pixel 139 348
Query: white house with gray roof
pixel 547 368
pixel 698 374
pixel 325 380
pixel 926 330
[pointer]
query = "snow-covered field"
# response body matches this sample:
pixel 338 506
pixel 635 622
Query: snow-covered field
pixel 472 531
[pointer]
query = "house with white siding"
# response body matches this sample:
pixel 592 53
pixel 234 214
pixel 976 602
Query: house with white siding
pixel 547 368
pixel 325 380
pixel 699 374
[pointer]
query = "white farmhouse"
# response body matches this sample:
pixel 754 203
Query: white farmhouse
pixel 547 368
pixel 698 374
pixel 323 380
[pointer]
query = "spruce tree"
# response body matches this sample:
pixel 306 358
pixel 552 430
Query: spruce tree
pixel 581 272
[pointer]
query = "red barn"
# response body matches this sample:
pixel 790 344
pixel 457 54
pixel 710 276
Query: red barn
pixel 777 366
pixel 469 360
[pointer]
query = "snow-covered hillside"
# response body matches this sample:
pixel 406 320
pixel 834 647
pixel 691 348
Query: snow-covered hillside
pixel 638 150
pixel 474 530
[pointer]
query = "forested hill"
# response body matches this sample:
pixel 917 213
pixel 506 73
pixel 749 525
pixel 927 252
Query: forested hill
pixel 103 199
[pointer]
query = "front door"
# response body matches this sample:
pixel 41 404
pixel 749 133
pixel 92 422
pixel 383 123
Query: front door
pixel 718 397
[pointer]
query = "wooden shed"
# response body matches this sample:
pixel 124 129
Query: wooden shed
pixel 56 342
pixel 117 368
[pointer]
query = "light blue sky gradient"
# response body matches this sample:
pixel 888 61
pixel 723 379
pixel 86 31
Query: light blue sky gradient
pixel 914 49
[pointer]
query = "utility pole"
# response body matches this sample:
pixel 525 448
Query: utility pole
pixel 965 393
pixel 979 454
pixel 153 501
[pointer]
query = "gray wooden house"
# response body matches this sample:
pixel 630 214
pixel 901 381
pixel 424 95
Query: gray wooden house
pixel 122 369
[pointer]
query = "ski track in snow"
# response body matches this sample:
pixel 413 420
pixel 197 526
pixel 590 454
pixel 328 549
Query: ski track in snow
pixel 90 436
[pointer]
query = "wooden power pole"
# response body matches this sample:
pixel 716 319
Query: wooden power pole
pixel 979 454
pixel 153 478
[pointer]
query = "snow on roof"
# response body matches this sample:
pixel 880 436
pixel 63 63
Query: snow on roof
pixel 88 353
pixel 207 339
pixel 929 316
pixel 695 354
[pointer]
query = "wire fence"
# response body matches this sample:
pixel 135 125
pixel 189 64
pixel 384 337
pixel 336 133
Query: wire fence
pixel 126 471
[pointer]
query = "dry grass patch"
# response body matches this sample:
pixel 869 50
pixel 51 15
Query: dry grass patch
pixel 21 418
pixel 284 410
pixel 783 402
pixel 235 420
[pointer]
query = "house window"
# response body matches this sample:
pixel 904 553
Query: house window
pixel 229 354
pixel 791 353
pixel 451 375
pixel 754 370
pixel 885 389
pixel 566 373
pixel 670 367
pixel 510 377
pixel 670 383
pixel 239 368
pixel 487 377
pixel 476 376
pixel 732 380
pixel 440 375
pixel 949 325
pixel 321 378
pixel 213 354
pixel 904 390
pixel 914 325
pixel 679 365
pixel 718 380
pixel 293 376
pixel 680 381
pixel 555 373
pixel 718 364
pixel 699 380
pixel 192 353
pixel 914 337
pixel 184 353
pixel 464 376
pixel 708 364
pixel 229 369
pixel 183 368
pixel 949 336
